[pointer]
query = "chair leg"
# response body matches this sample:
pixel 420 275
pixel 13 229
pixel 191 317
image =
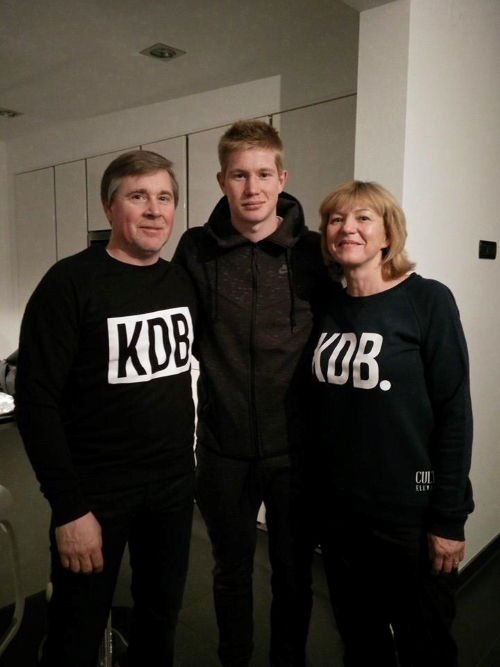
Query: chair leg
pixel 106 648
pixel 17 617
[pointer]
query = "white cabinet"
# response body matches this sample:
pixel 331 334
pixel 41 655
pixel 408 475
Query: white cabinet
pixel 204 190
pixel 96 166
pixel 51 221
pixel 35 229
pixel 319 151
pixel 71 208
pixel 175 151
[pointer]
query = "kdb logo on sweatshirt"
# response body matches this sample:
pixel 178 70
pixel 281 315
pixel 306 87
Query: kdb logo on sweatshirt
pixel 150 345
pixel 339 357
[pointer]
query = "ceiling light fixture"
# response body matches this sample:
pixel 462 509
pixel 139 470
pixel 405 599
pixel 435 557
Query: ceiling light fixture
pixel 162 52
pixel 8 113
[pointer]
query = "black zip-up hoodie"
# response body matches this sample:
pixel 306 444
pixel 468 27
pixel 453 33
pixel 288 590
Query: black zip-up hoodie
pixel 258 303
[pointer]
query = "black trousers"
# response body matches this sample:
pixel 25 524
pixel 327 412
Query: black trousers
pixel 156 522
pixel 390 609
pixel 229 494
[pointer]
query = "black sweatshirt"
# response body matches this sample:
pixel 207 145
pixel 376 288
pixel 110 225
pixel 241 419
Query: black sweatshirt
pixel 393 380
pixel 103 390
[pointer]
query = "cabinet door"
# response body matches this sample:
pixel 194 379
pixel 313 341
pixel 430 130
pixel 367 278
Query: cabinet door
pixel 71 208
pixel 175 151
pixel 204 191
pixel 96 219
pixel 319 151
pixel 35 229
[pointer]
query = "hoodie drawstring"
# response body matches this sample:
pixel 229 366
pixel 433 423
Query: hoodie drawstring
pixel 293 323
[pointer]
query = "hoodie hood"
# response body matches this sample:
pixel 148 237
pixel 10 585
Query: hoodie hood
pixel 292 228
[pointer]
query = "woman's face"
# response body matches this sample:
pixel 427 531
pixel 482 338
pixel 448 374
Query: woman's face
pixel 356 236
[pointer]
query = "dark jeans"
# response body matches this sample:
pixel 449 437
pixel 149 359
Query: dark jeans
pixel 229 495
pixel 156 522
pixel 384 596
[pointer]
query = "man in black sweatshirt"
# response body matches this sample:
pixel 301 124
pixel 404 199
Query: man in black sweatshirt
pixel 104 407
pixel 259 278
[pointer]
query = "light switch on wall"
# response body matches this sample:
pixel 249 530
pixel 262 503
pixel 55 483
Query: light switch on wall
pixel 487 249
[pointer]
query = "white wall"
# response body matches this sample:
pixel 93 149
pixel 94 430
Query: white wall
pixel 381 103
pixel 8 314
pixel 431 67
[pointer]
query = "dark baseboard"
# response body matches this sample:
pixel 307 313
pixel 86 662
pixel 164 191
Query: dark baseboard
pixel 480 563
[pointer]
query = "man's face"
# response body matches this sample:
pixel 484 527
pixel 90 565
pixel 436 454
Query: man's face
pixel 141 217
pixel 252 184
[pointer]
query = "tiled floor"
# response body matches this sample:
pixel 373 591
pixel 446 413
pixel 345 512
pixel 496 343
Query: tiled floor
pixel 477 626
pixel 197 631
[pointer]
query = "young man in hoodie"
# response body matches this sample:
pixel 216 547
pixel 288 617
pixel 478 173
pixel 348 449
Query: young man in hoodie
pixel 259 278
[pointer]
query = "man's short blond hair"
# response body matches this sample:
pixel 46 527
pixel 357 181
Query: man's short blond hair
pixel 246 134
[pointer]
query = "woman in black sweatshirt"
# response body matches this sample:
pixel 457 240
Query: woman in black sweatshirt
pixel 391 370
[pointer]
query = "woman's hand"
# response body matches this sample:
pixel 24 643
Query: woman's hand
pixel 445 555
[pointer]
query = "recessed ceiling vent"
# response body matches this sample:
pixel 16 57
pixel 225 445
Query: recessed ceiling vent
pixel 8 113
pixel 162 52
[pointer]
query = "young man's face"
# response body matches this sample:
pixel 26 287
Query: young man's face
pixel 252 184
pixel 141 217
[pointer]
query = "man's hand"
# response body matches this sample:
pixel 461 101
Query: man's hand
pixel 80 545
pixel 445 554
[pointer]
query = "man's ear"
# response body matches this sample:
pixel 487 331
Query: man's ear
pixel 107 211
pixel 221 180
pixel 283 176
